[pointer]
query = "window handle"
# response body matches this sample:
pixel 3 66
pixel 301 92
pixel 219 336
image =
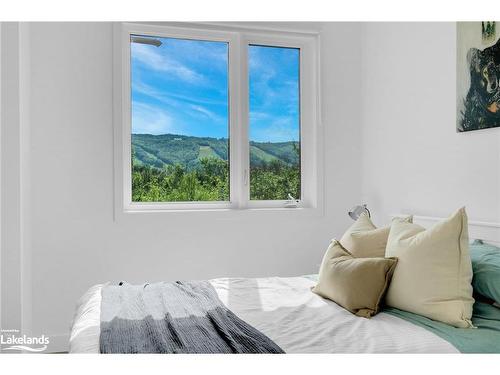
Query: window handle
pixel 291 202
pixel 245 177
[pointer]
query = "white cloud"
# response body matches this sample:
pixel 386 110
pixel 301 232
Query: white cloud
pixel 279 129
pixel 147 55
pixel 169 97
pixel 269 84
pixel 209 114
pixel 191 106
pixel 259 116
pixel 147 119
pixel 215 52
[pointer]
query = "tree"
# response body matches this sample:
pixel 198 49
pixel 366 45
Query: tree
pixel 209 181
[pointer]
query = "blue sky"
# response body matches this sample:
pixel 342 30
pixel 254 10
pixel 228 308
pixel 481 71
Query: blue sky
pixel 181 87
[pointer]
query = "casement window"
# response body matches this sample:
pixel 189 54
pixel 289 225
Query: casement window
pixel 215 119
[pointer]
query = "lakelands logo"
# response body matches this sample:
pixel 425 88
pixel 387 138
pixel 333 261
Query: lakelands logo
pixel 11 341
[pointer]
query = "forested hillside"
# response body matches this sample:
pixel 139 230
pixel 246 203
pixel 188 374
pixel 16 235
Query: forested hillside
pixel 178 168
pixel 169 149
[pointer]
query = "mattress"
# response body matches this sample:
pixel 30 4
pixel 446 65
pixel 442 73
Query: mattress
pixel 296 319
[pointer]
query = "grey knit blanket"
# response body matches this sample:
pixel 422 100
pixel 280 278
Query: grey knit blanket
pixel 174 317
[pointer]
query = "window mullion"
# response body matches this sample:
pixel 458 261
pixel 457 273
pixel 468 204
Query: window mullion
pixel 244 138
pixel 238 94
pixel 236 139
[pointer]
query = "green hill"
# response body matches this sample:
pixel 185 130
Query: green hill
pixel 169 149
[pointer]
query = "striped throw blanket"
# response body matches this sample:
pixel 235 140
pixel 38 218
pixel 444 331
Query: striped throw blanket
pixel 174 317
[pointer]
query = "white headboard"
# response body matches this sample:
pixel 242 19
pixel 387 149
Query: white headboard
pixel 488 232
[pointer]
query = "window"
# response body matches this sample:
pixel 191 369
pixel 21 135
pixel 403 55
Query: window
pixel 180 134
pixel 210 119
pixel 274 94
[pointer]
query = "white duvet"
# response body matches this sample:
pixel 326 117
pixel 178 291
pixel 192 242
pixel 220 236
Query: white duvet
pixel 296 319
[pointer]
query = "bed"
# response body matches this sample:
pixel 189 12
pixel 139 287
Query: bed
pixel 285 310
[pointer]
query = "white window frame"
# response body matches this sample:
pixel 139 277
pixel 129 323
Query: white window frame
pixel 238 41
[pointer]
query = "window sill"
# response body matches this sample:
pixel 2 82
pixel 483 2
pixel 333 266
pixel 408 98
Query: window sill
pixel 223 212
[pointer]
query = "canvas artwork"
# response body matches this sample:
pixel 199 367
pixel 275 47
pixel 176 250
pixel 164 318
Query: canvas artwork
pixel 478 75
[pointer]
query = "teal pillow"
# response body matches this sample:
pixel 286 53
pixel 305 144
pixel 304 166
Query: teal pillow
pixel 486 268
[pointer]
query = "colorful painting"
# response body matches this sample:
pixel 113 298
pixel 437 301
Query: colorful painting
pixel 478 75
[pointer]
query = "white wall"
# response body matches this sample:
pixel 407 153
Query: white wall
pixel 15 274
pixel 75 242
pixel 388 111
pixel 412 159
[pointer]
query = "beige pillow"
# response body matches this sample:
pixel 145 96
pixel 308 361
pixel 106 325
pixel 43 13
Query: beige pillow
pixel 434 272
pixel 357 284
pixel 365 240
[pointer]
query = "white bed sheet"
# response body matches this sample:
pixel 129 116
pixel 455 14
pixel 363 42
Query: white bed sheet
pixel 296 319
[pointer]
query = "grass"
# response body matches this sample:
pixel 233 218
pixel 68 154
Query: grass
pixel 207 152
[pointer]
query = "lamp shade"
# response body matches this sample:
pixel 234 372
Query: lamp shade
pixel 356 211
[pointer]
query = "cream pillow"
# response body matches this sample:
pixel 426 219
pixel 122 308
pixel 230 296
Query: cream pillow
pixel 365 240
pixel 434 272
pixel 357 284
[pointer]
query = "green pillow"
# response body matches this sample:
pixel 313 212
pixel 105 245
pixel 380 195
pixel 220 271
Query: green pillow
pixel 486 268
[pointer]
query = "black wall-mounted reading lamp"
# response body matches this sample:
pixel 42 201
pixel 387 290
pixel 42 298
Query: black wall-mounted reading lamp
pixel 356 211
